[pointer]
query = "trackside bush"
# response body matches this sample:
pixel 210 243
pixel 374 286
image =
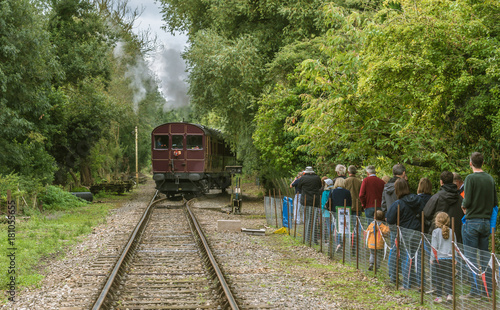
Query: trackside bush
pixel 57 199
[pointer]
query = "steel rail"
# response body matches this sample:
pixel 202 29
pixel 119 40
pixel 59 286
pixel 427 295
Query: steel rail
pixel 221 281
pixel 105 298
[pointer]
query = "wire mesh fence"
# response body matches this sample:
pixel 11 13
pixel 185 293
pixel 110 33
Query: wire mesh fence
pixel 405 258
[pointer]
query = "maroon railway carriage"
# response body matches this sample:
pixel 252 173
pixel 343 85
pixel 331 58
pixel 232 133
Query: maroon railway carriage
pixel 189 158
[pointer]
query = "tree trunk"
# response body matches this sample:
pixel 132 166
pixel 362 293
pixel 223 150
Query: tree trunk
pixel 75 179
pixel 85 174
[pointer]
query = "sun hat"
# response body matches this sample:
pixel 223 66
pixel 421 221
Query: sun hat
pixel 329 183
pixel 309 170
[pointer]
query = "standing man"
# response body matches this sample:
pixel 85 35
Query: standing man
pixel 457 180
pixel 370 192
pixel 479 200
pixel 389 195
pixel 353 184
pixel 310 188
pixel 447 200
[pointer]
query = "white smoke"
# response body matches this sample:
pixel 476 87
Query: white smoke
pixel 139 74
pixel 118 51
pixel 170 69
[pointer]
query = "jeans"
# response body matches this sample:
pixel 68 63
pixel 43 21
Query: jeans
pixel 475 235
pixel 393 255
pixel 410 277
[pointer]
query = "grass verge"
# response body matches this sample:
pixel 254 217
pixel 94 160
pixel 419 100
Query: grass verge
pixel 47 235
pixel 350 287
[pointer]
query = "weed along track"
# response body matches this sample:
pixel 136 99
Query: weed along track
pixel 167 264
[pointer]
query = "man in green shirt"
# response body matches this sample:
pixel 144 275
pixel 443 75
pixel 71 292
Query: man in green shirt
pixel 478 203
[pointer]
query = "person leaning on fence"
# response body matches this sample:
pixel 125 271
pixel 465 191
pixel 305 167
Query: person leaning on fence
pixel 448 200
pixel 380 230
pixel 478 204
pixel 371 192
pixel 441 260
pixel 410 206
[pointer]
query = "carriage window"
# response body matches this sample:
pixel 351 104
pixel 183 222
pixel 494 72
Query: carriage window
pixel 177 142
pixel 161 142
pixel 194 142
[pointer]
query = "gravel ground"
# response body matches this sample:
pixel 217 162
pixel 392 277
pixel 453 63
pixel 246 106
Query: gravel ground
pixel 276 272
pixel 64 278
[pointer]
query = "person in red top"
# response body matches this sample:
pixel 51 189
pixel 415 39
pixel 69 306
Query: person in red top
pixel 370 193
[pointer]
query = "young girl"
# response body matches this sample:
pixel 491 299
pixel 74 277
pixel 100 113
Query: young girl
pixel 372 232
pixel 442 268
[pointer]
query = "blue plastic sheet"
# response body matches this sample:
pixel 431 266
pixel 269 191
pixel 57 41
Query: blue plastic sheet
pixel 287 210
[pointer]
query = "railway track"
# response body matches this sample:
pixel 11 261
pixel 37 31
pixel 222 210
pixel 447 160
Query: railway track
pixel 166 264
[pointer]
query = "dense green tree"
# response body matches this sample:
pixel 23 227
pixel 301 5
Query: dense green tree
pixel 414 84
pixel 27 67
pixel 82 40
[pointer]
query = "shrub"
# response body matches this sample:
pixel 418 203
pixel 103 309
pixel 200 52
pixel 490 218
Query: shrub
pixel 55 198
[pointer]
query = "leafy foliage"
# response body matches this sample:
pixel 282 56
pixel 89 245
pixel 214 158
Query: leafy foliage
pixel 56 199
pixel 348 81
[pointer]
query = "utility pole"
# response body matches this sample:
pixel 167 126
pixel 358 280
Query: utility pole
pixel 136 158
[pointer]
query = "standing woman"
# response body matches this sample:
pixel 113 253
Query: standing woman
pixel 424 190
pixel 409 206
pixel 339 195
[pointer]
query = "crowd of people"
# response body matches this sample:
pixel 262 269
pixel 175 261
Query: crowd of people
pixel 470 204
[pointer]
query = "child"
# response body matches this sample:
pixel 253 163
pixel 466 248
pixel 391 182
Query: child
pixel 442 268
pixel 382 229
